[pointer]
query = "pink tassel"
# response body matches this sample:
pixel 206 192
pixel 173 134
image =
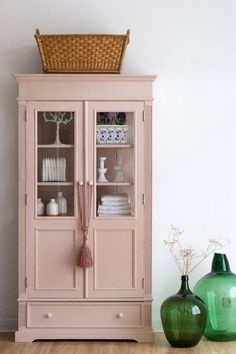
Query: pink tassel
pixel 85 258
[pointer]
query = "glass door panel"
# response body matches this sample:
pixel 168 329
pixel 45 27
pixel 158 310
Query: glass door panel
pixel 55 163
pixel 115 164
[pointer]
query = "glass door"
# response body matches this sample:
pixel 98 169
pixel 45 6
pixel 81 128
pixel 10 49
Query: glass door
pixel 54 149
pixel 115 140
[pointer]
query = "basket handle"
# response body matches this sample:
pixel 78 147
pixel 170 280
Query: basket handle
pixel 128 36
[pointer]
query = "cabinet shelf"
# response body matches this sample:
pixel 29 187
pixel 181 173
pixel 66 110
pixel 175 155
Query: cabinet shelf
pixel 114 183
pixel 55 146
pixel 116 146
pixel 52 184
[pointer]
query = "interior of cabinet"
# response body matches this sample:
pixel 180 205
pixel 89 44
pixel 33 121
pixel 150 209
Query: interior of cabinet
pixel 46 193
pixel 46 130
pixel 115 147
pixel 115 155
pixel 55 158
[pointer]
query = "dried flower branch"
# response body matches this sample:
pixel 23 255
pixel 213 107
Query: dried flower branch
pixel 184 257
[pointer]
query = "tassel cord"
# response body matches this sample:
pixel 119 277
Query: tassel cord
pixel 84 203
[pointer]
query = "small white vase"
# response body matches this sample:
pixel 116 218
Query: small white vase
pixel 40 207
pixel 62 204
pixel 52 208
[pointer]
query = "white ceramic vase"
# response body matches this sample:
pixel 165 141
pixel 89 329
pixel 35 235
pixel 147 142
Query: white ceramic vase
pixel 40 207
pixel 52 208
pixel 62 204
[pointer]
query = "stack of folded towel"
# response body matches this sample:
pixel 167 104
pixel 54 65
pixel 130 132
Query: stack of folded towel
pixel 112 205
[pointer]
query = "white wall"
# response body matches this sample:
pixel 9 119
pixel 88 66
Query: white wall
pixel 190 45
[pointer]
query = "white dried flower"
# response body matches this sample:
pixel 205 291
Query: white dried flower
pixel 184 257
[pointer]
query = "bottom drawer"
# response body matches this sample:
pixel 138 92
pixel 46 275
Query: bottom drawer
pixel 64 315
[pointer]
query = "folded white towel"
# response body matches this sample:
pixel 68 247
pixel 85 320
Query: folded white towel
pixel 126 206
pixel 116 197
pixel 115 202
pixel 113 212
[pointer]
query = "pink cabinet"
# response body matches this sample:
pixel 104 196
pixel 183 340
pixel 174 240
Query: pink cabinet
pixel 87 129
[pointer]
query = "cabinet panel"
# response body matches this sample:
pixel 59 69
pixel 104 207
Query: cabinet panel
pixel 115 260
pixel 55 264
pixel 118 261
pixel 52 260
pixel 61 315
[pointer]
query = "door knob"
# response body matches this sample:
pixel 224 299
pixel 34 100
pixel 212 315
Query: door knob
pixel 120 315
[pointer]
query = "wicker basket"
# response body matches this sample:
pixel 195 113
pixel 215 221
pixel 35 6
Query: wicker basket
pixel 82 53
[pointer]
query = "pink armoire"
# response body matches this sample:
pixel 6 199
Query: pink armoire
pixel 96 131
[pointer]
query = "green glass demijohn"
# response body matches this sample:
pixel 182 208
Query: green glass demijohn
pixel 218 291
pixel 183 317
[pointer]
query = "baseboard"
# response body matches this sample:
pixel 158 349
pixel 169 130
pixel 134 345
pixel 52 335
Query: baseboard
pixel 157 326
pixel 8 324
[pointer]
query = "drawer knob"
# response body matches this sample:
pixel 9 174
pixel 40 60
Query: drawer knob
pixel 120 315
pixel 49 315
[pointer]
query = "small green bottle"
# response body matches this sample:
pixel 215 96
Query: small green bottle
pixel 218 290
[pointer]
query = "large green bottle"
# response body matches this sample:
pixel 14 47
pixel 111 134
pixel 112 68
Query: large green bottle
pixel 183 317
pixel 218 290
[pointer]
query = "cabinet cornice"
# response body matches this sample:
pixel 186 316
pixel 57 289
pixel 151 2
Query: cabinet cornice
pixel 74 87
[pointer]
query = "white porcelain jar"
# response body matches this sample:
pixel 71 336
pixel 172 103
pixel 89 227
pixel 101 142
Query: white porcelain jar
pixel 62 204
pixel 52 208
pixel 40 207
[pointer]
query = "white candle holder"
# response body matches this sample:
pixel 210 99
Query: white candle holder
pixel 102 170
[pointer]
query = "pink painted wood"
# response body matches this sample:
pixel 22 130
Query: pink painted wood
pixel 113 298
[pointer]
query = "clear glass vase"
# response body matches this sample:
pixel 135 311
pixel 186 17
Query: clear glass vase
pixel 183 317
pixel 218 290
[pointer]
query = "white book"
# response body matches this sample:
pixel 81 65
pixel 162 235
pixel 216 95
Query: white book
pixel 60 177
pixel 47 170
pixel 43 170
pixel 58 169
pixel 53 170
pixel 64 169
pixel 55 167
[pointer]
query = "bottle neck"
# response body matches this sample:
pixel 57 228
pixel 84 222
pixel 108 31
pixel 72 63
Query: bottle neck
pixel 220 264
pixel 184 289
